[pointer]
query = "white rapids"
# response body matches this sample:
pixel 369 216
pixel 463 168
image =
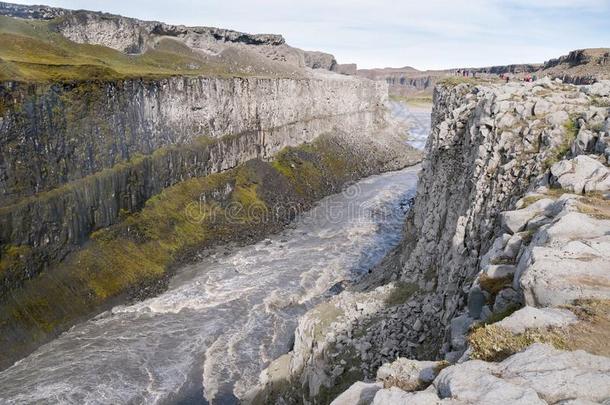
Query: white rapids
pixel 223 319
pixel 416 120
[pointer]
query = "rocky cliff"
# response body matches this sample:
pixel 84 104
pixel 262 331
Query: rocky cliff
pixel 511 204
pixel 125 143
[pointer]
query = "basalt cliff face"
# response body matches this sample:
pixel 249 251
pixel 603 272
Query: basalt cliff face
pixel 500 287
pixel 99 148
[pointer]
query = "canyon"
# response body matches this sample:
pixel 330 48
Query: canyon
pixel 200 215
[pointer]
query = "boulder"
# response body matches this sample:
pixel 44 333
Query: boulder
pixel 459 328
pixel 515 221
pixel 557 118
pixel 542 107
pixel 359 393
pixel 474 382
pixel 496 251
pixel 558 375
pixel 507 298
pixel 530 318
pixel 511 250
pixel 585 142
pixel 538 375
pixel 572 264
pixel 581 174
pixel 500 270
pixel 476 300
pixel 408 375
pixel 600 89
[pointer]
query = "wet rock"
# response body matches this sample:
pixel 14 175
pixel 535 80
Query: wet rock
pixel 476 300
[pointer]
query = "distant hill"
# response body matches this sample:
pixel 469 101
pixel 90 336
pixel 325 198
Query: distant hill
pixel 583 66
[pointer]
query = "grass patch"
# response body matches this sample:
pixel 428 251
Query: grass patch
pixel 493 343
pixel 595 206
pixel 494 285
pixel 401 293
pixel 591 333
pixel 529 200
pixel 527 236
pixel 502 260
pixel 326 313
pixel 414 101
pixel 353 372
pixel 597 101
pixel 563 149
pixel 33 50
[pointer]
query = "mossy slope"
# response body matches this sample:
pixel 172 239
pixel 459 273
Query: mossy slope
pixel 133 259
pixel 33 50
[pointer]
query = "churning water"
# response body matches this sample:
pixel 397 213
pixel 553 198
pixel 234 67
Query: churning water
pixel 222 319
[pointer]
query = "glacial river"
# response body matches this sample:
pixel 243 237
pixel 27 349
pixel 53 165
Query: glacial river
pixel 206 339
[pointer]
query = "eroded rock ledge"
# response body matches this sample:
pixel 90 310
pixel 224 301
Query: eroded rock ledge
pixel 502 279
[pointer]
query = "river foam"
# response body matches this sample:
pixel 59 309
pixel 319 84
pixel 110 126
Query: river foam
pixel 223 319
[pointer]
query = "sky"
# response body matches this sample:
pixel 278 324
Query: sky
pixel 425 34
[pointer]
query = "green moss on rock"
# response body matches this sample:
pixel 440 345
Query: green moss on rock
pixel 133 258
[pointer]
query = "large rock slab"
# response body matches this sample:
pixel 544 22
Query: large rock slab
pixel 558 375
pixel 408 375
pixel 582 174
pixel 530 317
pixel 538 375
pixel 515 221
pixel 360 393
pixel 572 264
pixel 395 396
pixel 474 382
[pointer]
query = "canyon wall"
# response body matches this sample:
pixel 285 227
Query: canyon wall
pixel 509 239
pixel 469 258
pixel 75 156
pixel 53 134
pixel 123 141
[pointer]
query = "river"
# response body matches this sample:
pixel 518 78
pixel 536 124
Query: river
pixel 223 319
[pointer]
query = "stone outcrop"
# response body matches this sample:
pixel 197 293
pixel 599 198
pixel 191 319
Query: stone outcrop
pixel 491 231
pixel 539 375
pixel 407 81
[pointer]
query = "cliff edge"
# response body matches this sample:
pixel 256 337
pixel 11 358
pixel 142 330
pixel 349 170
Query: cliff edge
pixel 500 287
